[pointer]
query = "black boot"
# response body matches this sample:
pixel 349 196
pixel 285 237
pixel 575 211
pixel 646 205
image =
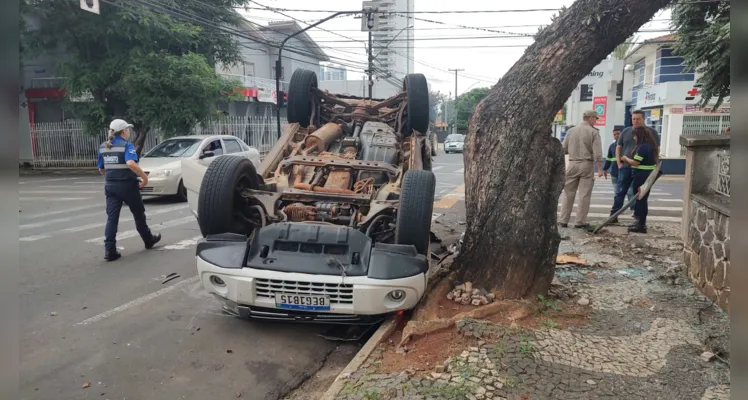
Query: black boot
pixel 155 238
pixel 112 255
pixel 637 229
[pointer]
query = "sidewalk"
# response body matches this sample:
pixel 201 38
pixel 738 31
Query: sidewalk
pixel 620 322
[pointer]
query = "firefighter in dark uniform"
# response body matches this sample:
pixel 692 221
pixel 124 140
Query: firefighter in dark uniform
pixel 643 162
pixel 118 162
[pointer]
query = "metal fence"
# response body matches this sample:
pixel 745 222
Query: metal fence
pixel 66 144
pixel 704 125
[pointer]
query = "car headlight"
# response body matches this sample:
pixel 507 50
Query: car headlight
pixel 160 173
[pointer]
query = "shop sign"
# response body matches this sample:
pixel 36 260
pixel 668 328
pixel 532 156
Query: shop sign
pixel 676 110
pixel 654 115
pixel 599 104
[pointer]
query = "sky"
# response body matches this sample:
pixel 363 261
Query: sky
pixel 440 45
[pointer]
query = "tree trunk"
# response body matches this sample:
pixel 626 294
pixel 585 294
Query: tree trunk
pixel 513 168
pixel 142 130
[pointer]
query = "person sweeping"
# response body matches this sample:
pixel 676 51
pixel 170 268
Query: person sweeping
pixel 643 161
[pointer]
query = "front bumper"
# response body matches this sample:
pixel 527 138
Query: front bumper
pixel 162 186
pixel 249 277
pixel 454 148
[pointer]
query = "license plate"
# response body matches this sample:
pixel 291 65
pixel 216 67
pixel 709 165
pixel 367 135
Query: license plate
pixel 302 302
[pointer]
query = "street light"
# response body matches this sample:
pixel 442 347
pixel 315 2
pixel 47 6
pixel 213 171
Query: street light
pixel 279 63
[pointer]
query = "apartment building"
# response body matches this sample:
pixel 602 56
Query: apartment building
pixel 394 21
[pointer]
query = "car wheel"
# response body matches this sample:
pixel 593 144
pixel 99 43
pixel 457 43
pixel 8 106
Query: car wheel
pixel 300 98
pixel 418 104
pixel 181 192
pixel 413 225
pixel 219 201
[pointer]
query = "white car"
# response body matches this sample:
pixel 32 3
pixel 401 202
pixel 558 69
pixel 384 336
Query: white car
pixel 454 143
pixel 163 165
pixel 334 227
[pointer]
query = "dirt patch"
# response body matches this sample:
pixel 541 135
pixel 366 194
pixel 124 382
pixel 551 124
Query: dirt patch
pixel 424 353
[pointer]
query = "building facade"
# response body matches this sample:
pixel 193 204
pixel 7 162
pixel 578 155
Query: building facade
pixel 666 90
pixel 332 73
pixel 393 37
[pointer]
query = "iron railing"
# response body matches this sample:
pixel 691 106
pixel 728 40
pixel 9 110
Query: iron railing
pixel 723 175
pixel 704 125
pixel 66 144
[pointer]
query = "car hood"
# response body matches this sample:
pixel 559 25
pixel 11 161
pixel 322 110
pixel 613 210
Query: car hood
pixel 155 163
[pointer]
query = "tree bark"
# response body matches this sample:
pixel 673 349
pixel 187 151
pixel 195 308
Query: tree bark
pixel 142 130
pixel 514 169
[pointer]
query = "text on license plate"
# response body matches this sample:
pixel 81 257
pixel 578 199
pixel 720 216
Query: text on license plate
pixel 302 302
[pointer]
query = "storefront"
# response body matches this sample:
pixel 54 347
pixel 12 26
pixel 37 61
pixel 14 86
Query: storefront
pixel 670 109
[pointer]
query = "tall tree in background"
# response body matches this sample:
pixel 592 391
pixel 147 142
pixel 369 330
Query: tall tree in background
pixel 703 30
pixel 153 66
pixel 465 106
pixel 514 168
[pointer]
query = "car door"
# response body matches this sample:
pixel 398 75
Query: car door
pixel 236 146
pixel 211 145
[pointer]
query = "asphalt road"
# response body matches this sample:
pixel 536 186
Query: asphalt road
pixel 116 327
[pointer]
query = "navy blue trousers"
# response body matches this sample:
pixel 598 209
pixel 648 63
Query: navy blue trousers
pixel 641 207
pixel 625 181
pixel 116 194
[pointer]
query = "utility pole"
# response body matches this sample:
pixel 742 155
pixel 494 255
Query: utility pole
pixel 454 128
pixel 370 25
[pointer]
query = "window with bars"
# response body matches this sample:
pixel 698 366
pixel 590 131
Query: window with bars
pixel 704 125
pixel 723 175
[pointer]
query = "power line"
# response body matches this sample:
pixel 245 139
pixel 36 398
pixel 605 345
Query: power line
pixel 479 27
pixel 507 11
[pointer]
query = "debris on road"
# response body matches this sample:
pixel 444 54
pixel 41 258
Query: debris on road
pixel 86 385
pixel 569 258
pixel 53 314
pixel 465 294
pixel 170 277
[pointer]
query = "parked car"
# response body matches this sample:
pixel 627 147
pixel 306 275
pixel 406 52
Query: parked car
pixel 454 143
pixel 163 165
pixel 335 225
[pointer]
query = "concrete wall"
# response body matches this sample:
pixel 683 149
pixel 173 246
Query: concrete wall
pixel 706 217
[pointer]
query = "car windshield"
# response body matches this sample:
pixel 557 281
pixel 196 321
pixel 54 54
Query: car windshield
pixel 175 148
pixel 455 138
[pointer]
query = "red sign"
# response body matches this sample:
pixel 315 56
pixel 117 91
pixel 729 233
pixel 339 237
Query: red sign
pixel 600 105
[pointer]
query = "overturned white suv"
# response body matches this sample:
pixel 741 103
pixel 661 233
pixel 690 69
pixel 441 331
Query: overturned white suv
pixel 335 225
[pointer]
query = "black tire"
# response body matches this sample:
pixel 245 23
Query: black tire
pixel 300 98
pixel 418 104
pixel 219 198
pixel 181 192
pixel 413 225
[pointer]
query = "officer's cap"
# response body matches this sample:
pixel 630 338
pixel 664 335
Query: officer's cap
pixel 590 113
pixel 119 125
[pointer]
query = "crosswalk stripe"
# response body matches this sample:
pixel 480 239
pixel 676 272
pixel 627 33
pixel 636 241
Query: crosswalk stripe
pixel 52 199
pixel 628 217
pixel 58 192
pixel 66 187
pixel 451 198
pixel 650 208
pixel 460 171
pixel 181 245
pixel 133 232
pixel 69 210
pixel 86 227
pixel 436 168
pixel 102 212
pixel 49 180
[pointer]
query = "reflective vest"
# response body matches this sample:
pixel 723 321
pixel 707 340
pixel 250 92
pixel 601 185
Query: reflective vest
pixel 115 167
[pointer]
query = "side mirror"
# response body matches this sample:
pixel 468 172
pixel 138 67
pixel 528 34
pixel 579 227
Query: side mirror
pixel 207 154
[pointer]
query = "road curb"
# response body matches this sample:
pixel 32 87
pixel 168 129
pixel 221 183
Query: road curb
pixel 383 332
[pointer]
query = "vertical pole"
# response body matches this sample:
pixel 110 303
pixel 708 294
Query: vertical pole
pixel 278 100
pixel 370 24
pixel 454 128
